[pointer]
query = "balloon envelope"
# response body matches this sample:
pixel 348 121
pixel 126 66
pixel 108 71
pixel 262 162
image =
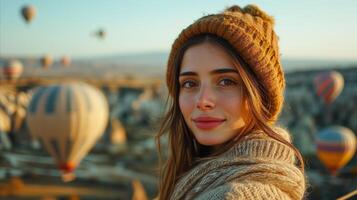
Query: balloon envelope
pixel 28 13
pixel 329 85
pixel 46 61
pixel 12 69
pixel 68 118
pixel 4 122
pixel 65 61
pixel 335 146
pixel 101 34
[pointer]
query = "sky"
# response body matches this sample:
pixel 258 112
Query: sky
pixel 307 29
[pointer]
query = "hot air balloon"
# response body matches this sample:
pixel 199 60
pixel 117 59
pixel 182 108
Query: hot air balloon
pixel 46 61
pixel 329 85
pixel 138 190
pixel 100 33
pixel 118 138
pixel 28 12
pixel 68 118
pixel 4 122
pixel 18 118
pixel 65 61
pixel 335 146
pixel 12 69
pixel 5 125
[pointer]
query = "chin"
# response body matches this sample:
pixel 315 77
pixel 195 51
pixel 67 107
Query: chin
pixel 203 139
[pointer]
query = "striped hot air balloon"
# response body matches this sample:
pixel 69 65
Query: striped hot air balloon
pixel 68 118
pixel 335 146
pixel 329 85
pixel 12 69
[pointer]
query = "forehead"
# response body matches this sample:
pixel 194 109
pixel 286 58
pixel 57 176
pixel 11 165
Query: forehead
pixel 206 57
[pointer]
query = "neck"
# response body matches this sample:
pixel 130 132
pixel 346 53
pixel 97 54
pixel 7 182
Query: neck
pixel 206 151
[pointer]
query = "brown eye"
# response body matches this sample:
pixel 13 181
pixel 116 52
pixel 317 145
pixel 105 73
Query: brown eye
pixel 227 82
pixel 188 84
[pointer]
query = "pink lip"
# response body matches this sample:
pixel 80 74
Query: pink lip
pixel 207 123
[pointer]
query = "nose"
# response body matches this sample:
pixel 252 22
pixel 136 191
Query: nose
pixel 205 99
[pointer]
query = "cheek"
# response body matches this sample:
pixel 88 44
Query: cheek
pixel 234 108
pixel 186 103
pixel 231 104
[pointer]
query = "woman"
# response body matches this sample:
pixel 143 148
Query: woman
pixel 226 88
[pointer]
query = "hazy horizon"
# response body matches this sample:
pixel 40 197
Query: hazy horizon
pixel 151 64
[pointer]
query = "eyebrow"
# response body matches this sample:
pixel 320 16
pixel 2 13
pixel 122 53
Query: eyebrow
pixel 216 71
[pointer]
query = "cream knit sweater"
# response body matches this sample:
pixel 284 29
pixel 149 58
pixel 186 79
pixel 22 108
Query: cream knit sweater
pixel 257 168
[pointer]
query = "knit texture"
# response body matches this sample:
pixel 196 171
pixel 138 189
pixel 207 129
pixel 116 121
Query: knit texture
pixel 250 31
pixel 257 168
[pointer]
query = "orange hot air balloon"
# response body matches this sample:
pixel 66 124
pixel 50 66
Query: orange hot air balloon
pixel 335 146
pixel 46 61
pixel 12 69
pixel 28 12
pixel 329 85
pixel 65 61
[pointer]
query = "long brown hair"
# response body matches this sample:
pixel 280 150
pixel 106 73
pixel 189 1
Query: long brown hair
pixel 183 151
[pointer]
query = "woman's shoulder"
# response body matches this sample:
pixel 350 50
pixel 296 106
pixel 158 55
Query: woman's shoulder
pixel 260 146
pixel 260 164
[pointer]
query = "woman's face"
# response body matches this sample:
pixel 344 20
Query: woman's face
pixel 210 94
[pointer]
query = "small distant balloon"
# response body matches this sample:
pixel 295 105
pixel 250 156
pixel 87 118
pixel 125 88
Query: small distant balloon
pixel 28 12
pixel 46 61
pixel 12 69
pixel 68 118
pixel 66 61
pixel 101 34
pixel 335 146
pixel 329 85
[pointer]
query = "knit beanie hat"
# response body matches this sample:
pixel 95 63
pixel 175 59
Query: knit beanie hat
pixel 249 31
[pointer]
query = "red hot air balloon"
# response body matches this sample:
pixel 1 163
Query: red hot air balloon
pixel 329 85
pixel 65 61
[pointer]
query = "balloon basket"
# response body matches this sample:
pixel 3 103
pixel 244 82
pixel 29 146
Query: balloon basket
pixel 68 176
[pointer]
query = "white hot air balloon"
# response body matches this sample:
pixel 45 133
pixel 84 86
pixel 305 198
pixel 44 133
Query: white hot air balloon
pixel 68 118
pixel 12 69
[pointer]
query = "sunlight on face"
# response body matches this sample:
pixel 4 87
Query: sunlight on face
pixel 210 94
